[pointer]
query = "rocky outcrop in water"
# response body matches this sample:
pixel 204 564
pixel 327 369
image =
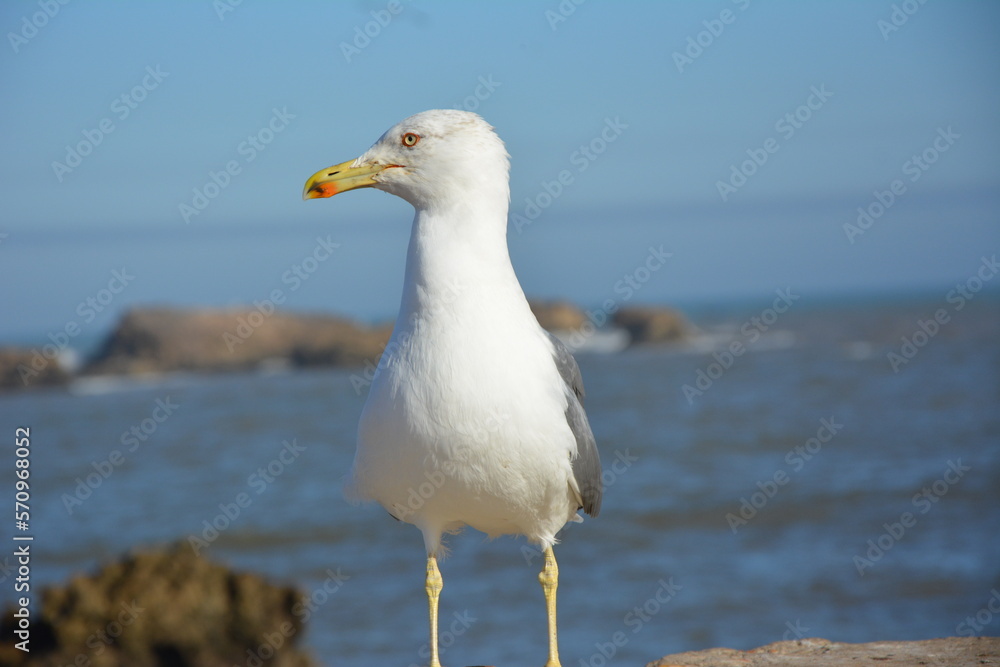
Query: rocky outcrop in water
pixel 653 324
pixel 153 340
pixel 163 608
pixel 161 340
pixel 644 324
pixel 22 368
pixel 557 315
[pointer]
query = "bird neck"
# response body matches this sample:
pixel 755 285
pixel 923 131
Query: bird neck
pixel 457 262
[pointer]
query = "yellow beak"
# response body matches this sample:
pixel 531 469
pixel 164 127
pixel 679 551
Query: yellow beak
pixel 341 178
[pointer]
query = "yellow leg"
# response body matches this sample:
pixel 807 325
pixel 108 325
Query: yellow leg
pixel 434 585
pixel 549 577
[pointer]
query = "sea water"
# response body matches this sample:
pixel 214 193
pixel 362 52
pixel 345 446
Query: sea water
pixel 802 483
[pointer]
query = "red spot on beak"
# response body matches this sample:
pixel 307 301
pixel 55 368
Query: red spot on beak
pixel 324 190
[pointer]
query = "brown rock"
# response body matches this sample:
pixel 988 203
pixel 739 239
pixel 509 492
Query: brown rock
pixel 162 608
pixel 21 369
pixel 652 324
pixel 341 347
pixel 952 651
pixel 557 315
pixel 167 339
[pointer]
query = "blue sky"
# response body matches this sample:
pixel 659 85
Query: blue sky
pixel 118 114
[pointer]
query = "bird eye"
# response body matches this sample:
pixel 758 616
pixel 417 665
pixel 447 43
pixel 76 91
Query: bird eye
pixel 410 139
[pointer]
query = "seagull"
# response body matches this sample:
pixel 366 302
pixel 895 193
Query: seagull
pixel 475 414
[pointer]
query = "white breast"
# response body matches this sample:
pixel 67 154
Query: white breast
pixel 465 421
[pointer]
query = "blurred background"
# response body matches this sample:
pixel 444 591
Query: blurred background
pixel 821 178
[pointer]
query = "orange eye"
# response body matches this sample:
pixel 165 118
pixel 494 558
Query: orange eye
pixel 410 139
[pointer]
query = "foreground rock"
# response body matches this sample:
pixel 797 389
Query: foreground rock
pixel 952 651
pixel 162 608
pixel 156 340
pixel 23 369
pixel 653 324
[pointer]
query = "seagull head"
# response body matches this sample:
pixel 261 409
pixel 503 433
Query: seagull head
pixel 431 159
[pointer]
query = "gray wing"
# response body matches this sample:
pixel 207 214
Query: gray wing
pixel 587 464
